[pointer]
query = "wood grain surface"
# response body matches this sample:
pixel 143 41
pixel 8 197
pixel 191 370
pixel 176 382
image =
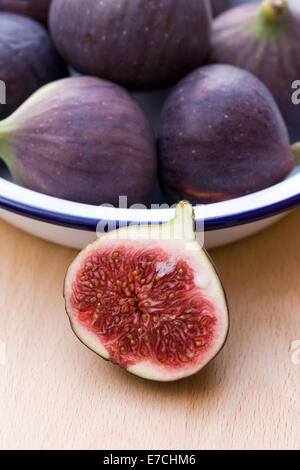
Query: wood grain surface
pixel 56 394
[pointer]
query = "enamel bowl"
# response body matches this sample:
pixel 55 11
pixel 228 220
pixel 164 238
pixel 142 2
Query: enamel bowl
pixel 75 225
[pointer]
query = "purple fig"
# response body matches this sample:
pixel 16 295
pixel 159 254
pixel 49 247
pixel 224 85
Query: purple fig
pixel 219 5
pixel 37 9
pixel 136 43
pixel 263 39
pixel 28 59
pixel 82 139
pixel 222 136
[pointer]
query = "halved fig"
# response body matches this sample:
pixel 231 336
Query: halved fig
pixel 149 299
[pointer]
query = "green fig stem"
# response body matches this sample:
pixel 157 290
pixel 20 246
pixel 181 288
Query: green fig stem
pixel 184 221
pixel 274 10
pixel 296 151
pixel 183 225
pixel 272 19
pixel 5 151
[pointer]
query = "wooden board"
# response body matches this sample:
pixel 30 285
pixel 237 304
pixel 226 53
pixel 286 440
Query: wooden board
pixel 56 394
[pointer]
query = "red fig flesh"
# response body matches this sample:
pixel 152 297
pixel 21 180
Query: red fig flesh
pixel 149 299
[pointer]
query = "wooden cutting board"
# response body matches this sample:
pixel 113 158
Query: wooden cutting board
pixel 56 394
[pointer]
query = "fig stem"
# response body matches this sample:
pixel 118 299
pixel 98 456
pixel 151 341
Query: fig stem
pixel 273 10
pixel 184 221
pixel 296 151
pixel 4 146
pixel 272 19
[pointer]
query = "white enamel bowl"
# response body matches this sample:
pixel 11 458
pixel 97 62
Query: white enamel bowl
pixel 74 225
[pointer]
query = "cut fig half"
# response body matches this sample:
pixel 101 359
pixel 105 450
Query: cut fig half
pixel 149 299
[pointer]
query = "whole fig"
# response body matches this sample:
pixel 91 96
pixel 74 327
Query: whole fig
pixel 28 59
pixel 37 9
pixel 222 136
pixel 219 5
pixel 82 139
pixel 263 39
pixel 136 43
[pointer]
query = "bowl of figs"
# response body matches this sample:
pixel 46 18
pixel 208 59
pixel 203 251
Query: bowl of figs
pixel 113 112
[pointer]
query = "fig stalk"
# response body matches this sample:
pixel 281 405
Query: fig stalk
pixel 273 15
pixel 274 10
pixel 296 151
pixel 4 143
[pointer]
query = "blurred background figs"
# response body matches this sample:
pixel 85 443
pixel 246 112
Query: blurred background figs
pixel 81 139
pixel 222 137
pixel 136 43
pixel 219 5
pixel 28 59
pixel 264 39
pixel 37 9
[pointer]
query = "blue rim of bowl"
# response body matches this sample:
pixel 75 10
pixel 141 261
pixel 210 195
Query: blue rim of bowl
pixel 90 223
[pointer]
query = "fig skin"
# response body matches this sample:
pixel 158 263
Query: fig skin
pixel 222 136
pixel 219 5
pixel 266 44
pixel 36 9
pixel 81 139
pixel 28 59
pixel 139 44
